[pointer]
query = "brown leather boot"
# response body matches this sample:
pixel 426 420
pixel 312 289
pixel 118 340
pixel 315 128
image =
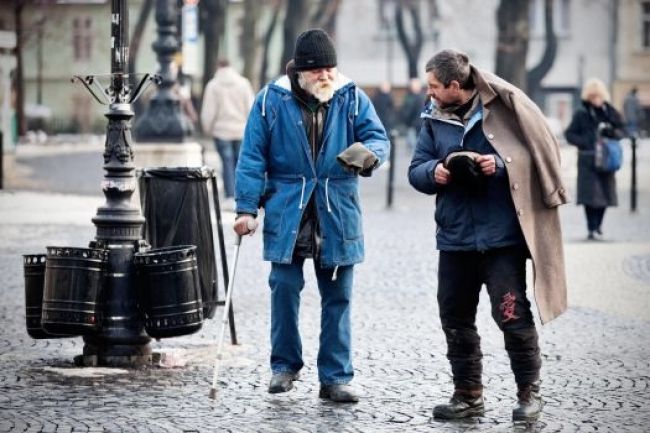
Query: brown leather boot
pixel 463 404
pixel 529 406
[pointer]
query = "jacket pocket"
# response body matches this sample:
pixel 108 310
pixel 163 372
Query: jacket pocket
pixel 274 209
pixel 350 213
pixel 440 214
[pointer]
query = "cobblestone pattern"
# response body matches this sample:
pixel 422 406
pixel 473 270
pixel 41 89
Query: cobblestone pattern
pixel 596 367
pixel 638 267
pixel 596 371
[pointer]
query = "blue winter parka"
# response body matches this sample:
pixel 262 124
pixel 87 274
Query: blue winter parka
pixel 277 172
pixel 466 220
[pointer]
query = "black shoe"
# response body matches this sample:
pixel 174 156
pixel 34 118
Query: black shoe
pixel 282 382
pixel 338 393
pixel 529 406
pixel 591 236
pixel 461 405
pixel 599 231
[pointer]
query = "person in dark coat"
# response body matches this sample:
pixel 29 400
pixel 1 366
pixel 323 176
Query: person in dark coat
pixel 384 105
pixel 412 107
pixel 596 190
pixel 633 112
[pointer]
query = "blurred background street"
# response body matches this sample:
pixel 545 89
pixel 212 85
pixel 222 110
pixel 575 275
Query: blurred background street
pixel 596 356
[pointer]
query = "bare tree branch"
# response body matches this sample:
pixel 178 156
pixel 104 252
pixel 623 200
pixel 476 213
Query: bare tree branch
pixel 268 35
pixel 294 23
pixel 413 48
pixel 512 44
pixel 537 73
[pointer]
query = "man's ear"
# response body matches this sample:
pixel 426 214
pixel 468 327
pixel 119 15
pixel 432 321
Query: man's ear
pixel 454 85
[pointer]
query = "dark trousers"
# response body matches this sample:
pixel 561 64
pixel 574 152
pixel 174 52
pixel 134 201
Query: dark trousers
pixel 460 277
pixel 595 217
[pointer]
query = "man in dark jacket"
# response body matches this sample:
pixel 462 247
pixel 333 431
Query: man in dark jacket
pixel 479 233
pixel 309 136
pixel 383 102
pixel 410 110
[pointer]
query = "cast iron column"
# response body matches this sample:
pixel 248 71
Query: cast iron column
pixel 121 340
pixel 164 120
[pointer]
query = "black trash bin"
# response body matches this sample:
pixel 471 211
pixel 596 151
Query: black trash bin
pixel 169 291
pixel 73 283
pixel 34 271
pixel 176 206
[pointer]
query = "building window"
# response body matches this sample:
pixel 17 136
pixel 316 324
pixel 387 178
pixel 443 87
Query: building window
pixel 645 25
pixel 82 38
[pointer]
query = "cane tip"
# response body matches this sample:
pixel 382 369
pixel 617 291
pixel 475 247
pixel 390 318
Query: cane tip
pixel 213 393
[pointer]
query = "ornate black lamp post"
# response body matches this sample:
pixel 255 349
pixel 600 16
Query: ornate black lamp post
pixel 121 339
pixel 164 120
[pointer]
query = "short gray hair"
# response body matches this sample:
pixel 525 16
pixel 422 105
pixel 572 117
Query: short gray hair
pixel 450 65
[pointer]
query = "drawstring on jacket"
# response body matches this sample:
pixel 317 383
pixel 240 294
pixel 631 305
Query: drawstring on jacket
pixel 302 194
pixel 327 195
pixel 356 101
pixel 266 91
pixel 335 273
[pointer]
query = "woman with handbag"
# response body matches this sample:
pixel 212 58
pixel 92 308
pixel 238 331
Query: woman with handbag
pixel 594 120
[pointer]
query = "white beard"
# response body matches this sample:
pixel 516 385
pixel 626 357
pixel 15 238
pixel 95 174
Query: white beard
pixel 322 90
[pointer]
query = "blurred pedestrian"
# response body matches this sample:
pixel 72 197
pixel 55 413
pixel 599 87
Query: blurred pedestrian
pixel 227 100
pixel 633 112
pixel 487 153
pixel 410 111
pixel 596 190
pixel 307 181
pixel 384 105
pixel 184 93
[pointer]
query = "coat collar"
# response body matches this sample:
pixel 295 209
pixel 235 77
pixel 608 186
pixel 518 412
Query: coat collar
pixel 485 90
pixel 283 83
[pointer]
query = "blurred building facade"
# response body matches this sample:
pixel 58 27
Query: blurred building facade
pixel 632 60
pixel 596 38
pixel 609 39
pixel 62 38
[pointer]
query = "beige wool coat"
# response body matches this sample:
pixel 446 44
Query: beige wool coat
pixel 518 131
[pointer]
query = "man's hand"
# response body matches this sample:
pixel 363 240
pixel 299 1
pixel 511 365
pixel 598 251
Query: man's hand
pixel 488 164
pixel 441 175
pixel 245 224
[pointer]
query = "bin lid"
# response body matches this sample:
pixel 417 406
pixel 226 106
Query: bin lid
pixel 177 173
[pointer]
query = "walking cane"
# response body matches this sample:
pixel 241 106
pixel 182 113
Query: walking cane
pixel 224 320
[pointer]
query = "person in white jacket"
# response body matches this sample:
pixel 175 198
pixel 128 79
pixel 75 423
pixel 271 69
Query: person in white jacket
pixel 227 100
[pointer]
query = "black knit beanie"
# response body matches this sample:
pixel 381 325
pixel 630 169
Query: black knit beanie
pixel 314 49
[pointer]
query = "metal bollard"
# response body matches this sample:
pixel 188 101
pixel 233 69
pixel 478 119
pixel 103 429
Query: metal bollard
pixel 633 190
pixel 1 160
pixel 391 170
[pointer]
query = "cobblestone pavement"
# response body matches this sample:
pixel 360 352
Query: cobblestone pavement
pixel 596 358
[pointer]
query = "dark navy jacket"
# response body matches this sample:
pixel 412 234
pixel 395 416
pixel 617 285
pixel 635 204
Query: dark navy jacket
pixel 466 220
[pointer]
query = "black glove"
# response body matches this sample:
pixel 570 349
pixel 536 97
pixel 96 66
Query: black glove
pixel 464 170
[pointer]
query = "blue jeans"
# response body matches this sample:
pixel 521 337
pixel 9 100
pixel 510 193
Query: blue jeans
pixel 335 352
pixel 229 152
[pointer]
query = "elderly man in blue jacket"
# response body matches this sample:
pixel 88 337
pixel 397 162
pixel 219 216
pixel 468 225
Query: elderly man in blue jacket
pixel 309 136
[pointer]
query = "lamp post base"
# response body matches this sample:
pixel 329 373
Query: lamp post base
pixel 97 353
